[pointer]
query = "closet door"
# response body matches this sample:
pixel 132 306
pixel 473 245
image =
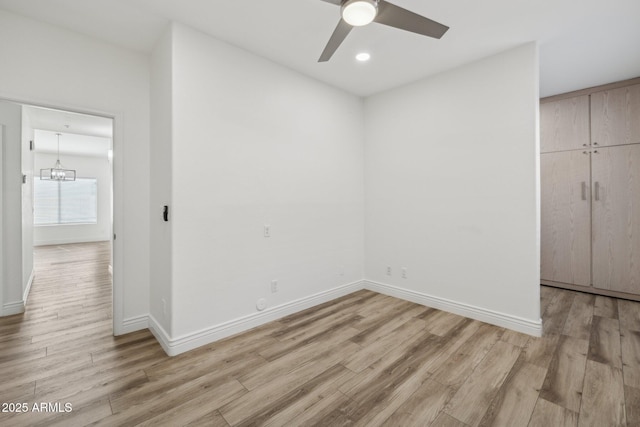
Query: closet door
pixel 615 116
pixel 566 218
pixel 616 218
pixel 564 124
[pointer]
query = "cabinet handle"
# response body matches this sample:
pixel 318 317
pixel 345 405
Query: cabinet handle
pixel 597 192
pixel 584 190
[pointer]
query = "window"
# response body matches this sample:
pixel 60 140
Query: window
pixel 69 202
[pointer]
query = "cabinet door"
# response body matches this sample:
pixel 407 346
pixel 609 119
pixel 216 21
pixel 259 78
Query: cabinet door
pixel 616 218
pixel 615 116
pixel 564 124
pixel 566 218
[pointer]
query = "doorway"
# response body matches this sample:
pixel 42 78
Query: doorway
pixel 76 210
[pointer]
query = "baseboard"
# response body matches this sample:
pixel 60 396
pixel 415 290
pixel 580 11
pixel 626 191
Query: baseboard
pixel 13 308
pixel 133 324
pixel 478 313
pixel 66 241
pixel 25 295
pixel 161 336
pixel 178 345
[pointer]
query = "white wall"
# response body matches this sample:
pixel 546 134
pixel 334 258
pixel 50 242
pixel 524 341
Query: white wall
pixel 11 119
pixel 161 176
pixel 86 167
pixel 451 190
pixel 255 143
pixel 27 204
pixel 50 66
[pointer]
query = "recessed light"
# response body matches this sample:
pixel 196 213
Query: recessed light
pixel 362 57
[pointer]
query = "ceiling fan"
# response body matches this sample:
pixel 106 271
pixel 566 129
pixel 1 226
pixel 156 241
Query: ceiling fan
pixel 357 13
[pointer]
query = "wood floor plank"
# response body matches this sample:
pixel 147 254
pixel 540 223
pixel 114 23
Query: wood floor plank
pixel 564 381
pixel 514 403
pixel 368 354
pixel 293 360
pixel 258 400
pixel 321 334
pixel 540 350
pixel 632 405
pixel 442 322
pixel 446 420
pixel 631 357
pixel 557 312
pixel 363 359
pixel 547 414
pixel 423 407
pixel 515 338
pixel 213 419
pixel 391 309
pixel 312 415
pixel 629 314
pixel 306 402
pixel 603 396
pixel 385 324
pixel 475 395
pixel 578 323
pixel 207 374
pixel 457 368
pixel 604 345
pixel 219 393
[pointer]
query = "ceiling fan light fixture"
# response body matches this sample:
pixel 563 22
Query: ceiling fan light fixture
pixel 359 12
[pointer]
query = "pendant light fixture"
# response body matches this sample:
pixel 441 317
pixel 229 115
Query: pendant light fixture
pixel 57 172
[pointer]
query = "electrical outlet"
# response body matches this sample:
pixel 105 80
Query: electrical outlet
pixel 261 304
pixel 274 286
pixel 404 272
pixel 388 271
pixel 267 230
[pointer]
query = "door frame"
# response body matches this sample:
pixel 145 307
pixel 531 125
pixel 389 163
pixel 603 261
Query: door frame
pixel 117 186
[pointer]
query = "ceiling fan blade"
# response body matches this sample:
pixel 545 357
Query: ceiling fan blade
pixel 397 17
pixel 336 2
pixel 338 36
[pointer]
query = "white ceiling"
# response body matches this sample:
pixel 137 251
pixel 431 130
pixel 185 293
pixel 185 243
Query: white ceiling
pixel 81 134
pixel 582 42
pixel 68 122
pixel 71 144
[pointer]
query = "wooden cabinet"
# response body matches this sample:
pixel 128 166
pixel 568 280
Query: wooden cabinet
pixel 566 217
pixel 590 191
pixel 616 218
pixel 564 124
pixel 615 116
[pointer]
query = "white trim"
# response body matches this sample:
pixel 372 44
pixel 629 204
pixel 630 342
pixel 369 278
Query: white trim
pixel 25 294
pixel 110 270
pixel 478 313
pixel 12 308
pixel 161 336
pixel 67 240
pixel 178 345
pixel 136 323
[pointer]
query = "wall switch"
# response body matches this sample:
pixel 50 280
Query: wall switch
pixel 267 230
pixel 388 271
pixel 274 286
pixel 404 272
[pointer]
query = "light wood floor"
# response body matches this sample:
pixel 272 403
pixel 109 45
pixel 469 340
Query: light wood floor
pixel 364 359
